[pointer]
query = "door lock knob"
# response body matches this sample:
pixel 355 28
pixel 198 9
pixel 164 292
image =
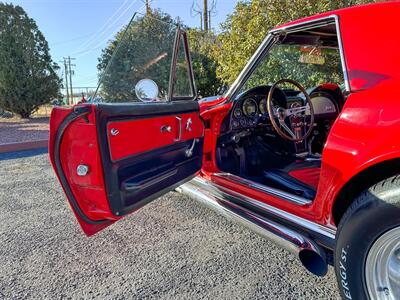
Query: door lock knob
pixel 189 124
pixel 114 131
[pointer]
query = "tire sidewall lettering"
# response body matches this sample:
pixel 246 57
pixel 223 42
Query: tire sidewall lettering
pixel 343 272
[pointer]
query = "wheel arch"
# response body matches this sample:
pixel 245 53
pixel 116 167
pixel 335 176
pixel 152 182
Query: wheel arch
pixel 361 181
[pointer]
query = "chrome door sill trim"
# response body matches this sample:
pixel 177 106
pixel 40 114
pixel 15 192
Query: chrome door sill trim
pixel 297 243
pixel 266 189
pixel 221 191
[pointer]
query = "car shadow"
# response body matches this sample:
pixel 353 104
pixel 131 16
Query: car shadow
pixel 22 154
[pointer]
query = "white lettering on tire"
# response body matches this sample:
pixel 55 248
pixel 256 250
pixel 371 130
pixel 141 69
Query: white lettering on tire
pixel 343 274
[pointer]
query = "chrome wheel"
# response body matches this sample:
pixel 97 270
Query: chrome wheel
pixel 382 270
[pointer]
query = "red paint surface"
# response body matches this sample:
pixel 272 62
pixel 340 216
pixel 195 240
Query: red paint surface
pixel 329 86
pixel 79 145
pixel 140 135
pixel 308 176
pixel 365 133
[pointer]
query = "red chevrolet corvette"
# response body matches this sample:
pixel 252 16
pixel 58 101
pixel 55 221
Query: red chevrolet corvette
pixel 303 148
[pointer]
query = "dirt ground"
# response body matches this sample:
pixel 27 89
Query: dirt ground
pixel 15 130
pixel 173 248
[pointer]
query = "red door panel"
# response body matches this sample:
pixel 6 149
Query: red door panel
pixel 127 170
pixel 141 135
pixel 70 145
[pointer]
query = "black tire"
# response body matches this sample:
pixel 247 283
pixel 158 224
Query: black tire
pixel 374 212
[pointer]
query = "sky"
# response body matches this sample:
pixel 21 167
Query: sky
pixel 82 28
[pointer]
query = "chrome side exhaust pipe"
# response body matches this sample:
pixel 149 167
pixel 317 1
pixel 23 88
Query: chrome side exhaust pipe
pixel 310 254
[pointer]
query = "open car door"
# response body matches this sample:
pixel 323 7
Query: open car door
pixel 142 138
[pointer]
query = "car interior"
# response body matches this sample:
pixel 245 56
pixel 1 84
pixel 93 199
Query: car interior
pixel 271 137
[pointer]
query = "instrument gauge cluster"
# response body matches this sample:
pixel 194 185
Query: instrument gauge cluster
pixel 237 113
pixel 246 113
pixel 250 107
pixel 250 111
pixel 263 106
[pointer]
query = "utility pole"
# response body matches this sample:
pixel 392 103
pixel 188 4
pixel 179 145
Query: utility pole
pixel 205 14
pixel 70 72
pixel 66 78
pixel 148 8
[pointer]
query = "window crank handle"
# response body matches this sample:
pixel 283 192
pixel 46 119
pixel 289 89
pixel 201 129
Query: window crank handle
pixel 189 151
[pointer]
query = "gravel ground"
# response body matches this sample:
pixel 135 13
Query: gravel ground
pixel 171 249
pixel 21 130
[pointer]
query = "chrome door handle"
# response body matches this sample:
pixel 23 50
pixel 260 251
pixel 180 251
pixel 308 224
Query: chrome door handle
pixel 180 129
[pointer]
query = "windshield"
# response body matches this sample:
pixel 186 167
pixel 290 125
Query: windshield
pixel 140 58
pixel 309 65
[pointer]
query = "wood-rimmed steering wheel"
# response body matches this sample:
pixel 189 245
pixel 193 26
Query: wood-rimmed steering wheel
pixel 291 123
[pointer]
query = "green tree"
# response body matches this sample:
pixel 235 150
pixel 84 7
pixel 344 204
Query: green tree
pixel 204 65
pixel 144 50
pixel 28 75
pixel 141 50
pixel 248 25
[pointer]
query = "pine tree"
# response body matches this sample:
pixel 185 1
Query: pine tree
pixel 28 75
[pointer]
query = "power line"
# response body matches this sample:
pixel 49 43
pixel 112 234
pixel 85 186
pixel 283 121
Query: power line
pixel 196 10
pixel 73 39
pixel 90 47
pixel 212 12
pixel 99 45
pixel 110 21
pixel 205 13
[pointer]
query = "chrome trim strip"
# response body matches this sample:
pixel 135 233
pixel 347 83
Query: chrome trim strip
pixel 266 189
pixel 342 57
pixel 253 61
pixel 303 25
pixel 223 193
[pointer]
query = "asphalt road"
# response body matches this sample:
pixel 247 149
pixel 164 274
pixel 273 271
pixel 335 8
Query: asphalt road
pixel 171 249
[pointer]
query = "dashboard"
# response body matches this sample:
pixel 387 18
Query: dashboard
pixel 248 112
pixel 250 109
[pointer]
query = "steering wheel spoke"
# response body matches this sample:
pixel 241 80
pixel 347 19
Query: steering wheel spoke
pixel 297 116
pixel 296 110
pixel 287 128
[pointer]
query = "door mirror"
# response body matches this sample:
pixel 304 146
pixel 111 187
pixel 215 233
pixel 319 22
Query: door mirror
pixel 146 90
